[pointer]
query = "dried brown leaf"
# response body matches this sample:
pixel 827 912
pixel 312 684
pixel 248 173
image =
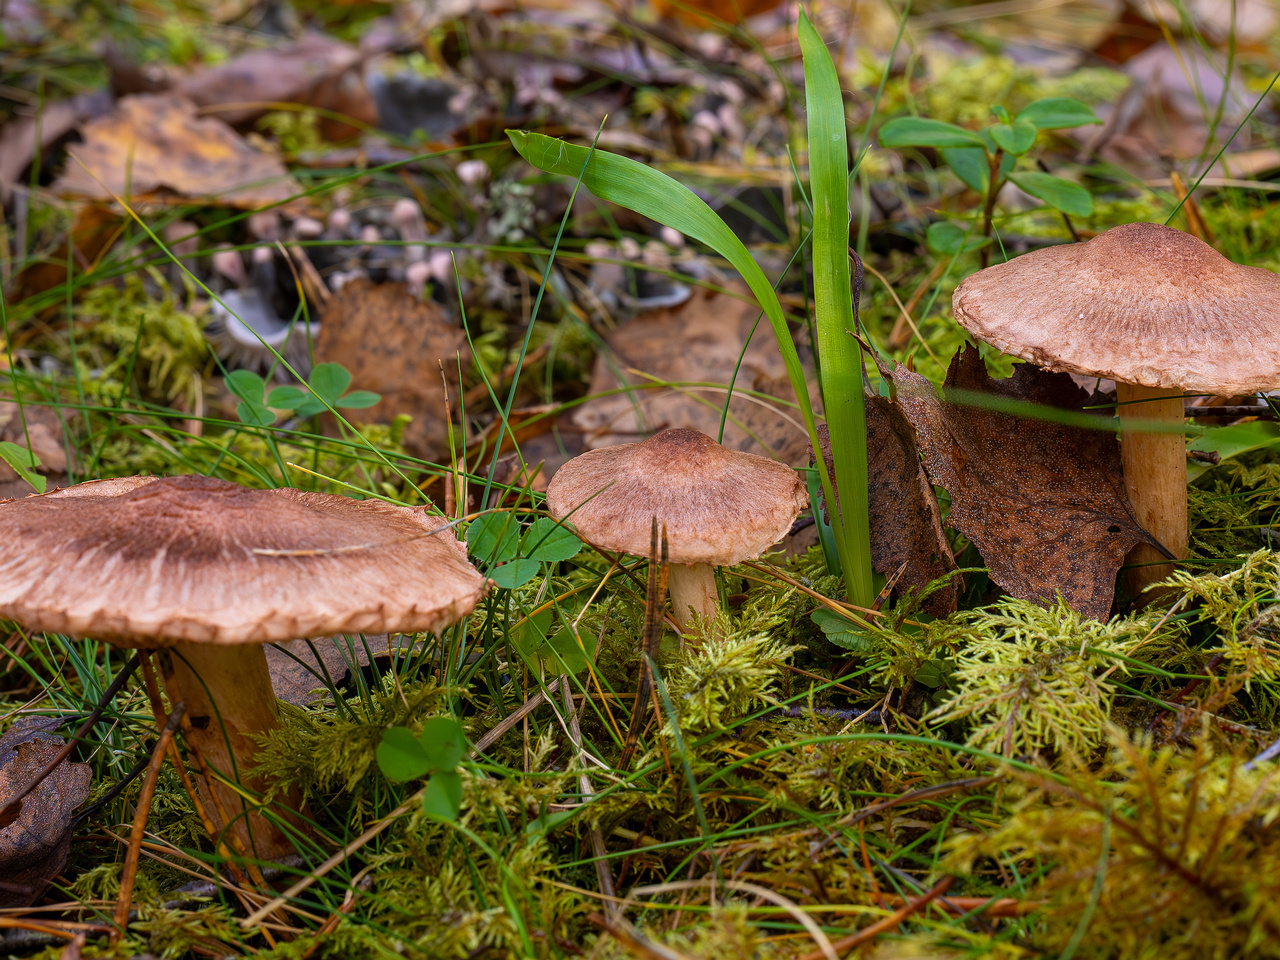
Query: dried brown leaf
pixel 1044 503
pixel 155 142
pixel 697 342
pixel 297 683
pixel 316 71
pixel 34 848
pixel 906 526
pixel 393 344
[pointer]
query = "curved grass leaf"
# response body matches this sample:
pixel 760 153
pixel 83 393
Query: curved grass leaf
pixel 840 355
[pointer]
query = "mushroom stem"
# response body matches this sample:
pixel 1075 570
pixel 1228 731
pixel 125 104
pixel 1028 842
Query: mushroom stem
pixel 1155 478
pixel 229 700
pixel 693 591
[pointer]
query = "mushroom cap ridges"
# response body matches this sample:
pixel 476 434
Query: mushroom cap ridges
pixel 720 506
pixel 145 561
pixel 1141 303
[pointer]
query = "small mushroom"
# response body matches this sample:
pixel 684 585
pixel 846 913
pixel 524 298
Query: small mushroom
pixel 208 571
pixel 1156 310
pixel 719 506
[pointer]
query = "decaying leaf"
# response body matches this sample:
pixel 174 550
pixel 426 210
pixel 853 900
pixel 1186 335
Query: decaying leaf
pixel 34 847
pixel 698 342
pixel 1044 503
pixel 298 683
pixel 906 526
pixel 316 71
pixel 153 143
pixel 393 343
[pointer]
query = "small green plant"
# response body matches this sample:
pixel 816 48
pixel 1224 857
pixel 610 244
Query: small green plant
pixel 436 751
pixel 987 159
pixel 327 388
pixel 495 539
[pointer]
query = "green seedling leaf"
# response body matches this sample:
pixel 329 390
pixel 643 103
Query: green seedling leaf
pixel 515 573
pixel 247 386
pixel 571 656
pixel 443 743
pixel 1015 138
pixel 329 381
pixel 22 461
pixel 531 636
pixel 550 542
pixel 287 398
pixel 1000 113
pixel 926 132
pixel 1058 193
pixel 951 239
pixel 358 400
pixel 494 537
pixel 840 631
pixel 401 755
pixel 969 164
pixel 442 799
pixel 1056 113
pixel 250 388
pixel 935 673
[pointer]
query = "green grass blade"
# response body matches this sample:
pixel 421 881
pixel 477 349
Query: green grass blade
pixel 840 360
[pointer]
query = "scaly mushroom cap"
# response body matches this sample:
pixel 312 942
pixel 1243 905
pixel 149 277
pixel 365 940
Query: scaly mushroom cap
pixel 1140 303
pixel 720 506
pixel 147 560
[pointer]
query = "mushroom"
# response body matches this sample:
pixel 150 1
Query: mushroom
pixel 208 571
pixel 1159 312
pixel 719 506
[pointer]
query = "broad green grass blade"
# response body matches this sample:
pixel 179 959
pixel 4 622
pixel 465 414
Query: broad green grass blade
pixel 655 195
pixel 840 360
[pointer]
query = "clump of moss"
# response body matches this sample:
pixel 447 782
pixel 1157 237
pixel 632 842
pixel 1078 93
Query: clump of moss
pixel 1030 678
pixel 1169 853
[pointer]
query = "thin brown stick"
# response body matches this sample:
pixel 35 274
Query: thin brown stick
pixel 632 940
pixel 845 944
pixel 130 874
pixel 655 602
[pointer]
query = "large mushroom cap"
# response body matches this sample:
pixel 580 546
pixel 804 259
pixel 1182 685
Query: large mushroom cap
pixel 720 506
pixel 202 560
pixel 1141 303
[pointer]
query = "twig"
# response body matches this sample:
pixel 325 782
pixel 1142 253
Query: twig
pixel 10 811
pixel 634 942
pixel 537 700
pixel 130 874
pixel 845 944
pixel 655 601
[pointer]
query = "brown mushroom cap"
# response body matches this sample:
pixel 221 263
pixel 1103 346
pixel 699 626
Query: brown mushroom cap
pixel 1141 303
pixel 182 559
pixel 720 506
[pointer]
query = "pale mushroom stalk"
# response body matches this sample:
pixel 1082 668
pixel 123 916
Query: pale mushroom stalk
pixel 1155 478
pixel 206 572
pixel 230 702
pixel 692 587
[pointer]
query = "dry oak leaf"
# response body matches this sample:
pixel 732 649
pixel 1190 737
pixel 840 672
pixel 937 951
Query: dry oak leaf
pixel 699 341
pixel 34 847
pixel 906 525
pixel 154 144
pixel 1044 503
pixel 301 683
pixel 393 344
